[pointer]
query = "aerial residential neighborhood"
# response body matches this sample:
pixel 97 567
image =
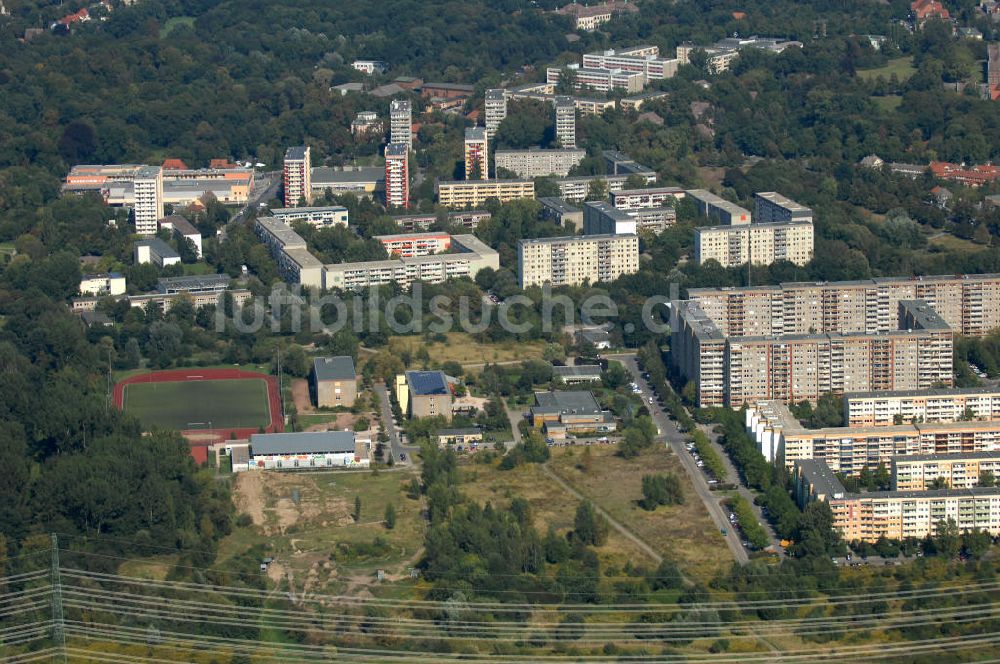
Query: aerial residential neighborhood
pixel 520 331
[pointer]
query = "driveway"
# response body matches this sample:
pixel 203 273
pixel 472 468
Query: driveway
pixel 395 443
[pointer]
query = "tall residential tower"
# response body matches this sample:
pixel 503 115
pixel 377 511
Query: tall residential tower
pixel 148 189
pixel 401 123
pixel 298 176
pixel 496 110
pixel 476 154
pixel 566 122
pixel 397 176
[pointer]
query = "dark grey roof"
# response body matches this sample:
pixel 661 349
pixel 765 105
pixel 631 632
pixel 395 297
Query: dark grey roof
pixel 340 367
pixel 296 152
pixel 932 392
pixel 307 442
pixel 322 174
pixel 159 247
pixel 823 480
pixel 197 282
pixel 954 456
pixel 580 370
pixel 571 401
pixel 426 383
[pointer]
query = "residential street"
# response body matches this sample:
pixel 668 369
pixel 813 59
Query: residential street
pixel 675 439
pixel 396 447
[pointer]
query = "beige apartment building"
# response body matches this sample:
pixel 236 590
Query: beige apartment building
pixel 759 243
pixel 897 514
pixel 574 260
pixel 956 471
pixel 879 409
pixel 335 381
pixel 848 450
pixel 474 193
pixel 736 370
pixel 535 163
pixel 969 304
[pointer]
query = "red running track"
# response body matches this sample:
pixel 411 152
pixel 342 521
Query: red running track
pixel 276 425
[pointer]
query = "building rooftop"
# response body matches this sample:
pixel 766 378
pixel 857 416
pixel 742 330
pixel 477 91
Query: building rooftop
pixel 158 246
pixel 308 210
pixel 202 282
pixel 475 133
pixel 955 456
pixel 933 392
pixel 558 204
pixel 923 315
pixel 396 150
pixel 306 442
pixel 496 94
pixel 466 431
pixel 297 152
pixel 582 370
pixel 340 367
pixel 575 238
pixel 783 201
pixel 348 175
pixel 575 402
pixel 426 383
pixel 181 225
pixel 930 494
pixel 822 479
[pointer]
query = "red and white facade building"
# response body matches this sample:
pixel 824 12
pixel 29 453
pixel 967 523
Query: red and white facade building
pixel 397 176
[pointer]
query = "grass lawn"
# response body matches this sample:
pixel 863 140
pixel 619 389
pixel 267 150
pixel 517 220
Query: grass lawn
pixel 551 505
pixel 902 67
pixel 315 538
pixel 683 533
pixel 952 243
pixel 175 22
pixel 888 103
pixel 180 405
pixel 462 348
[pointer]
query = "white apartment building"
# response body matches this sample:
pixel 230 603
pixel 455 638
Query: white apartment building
pixel 574 260
pixel 397 176
pixel 112 283
pixel 401 122
pixel 635 199
pixel 641 59
pixel 962 470
pixel 474 193
pixel 495 110
pixel 297 175
pixel 407 245
pixel 148 192
pixel 770 206
pixel 535 162
pixel 601 80
pixel 565 109
pixel 333 215
pixel 879 409
pixel 469 256
pixel 575 189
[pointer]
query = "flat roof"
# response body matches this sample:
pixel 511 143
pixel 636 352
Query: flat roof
pixel 296 152
pixel 161 248
pixel 558 204
pixel 426 383
pixel 575 238
pixel 823 480
pixel 194 282
pixel 924 314
pixel 578 370
pixel 340 367
pixel 783 201
pixel 576 402
pixel 308 210
pixel 356 175
pixel 608 210
pixel 475 133
pixel 929 494
pixel 953 456
pixel 466 431
pixel 181 225
pixel 396 150
pixel 305 442
pixel 932 392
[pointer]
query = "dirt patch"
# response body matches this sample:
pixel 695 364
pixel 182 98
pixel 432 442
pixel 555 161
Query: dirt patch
pixel 300 395
pixel 250 496
pixel 339 422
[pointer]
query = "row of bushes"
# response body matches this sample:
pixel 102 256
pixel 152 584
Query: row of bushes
pixel 752 530
pixel 713 462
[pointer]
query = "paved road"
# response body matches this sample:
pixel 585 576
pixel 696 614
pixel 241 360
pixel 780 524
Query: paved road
pixel 395 444
pixel 646 548
pixel 734 476
pixel 515 417
pixel 675 439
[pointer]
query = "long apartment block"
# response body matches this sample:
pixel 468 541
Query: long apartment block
pixel 601 80
pixel 636 199
pixel 848 450
pixel 757 243
pixel 732 370
pixel 574 260
pixel 962 470
pixel 575 189
pixel 467 256
pixel 643 59
pixel 474 193
pixel 880 409
pixel 969 304
pixel 535 162
pixel 295 263
pixel 897 514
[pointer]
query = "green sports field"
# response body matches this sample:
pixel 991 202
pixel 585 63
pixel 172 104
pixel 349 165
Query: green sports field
pixel 219 404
